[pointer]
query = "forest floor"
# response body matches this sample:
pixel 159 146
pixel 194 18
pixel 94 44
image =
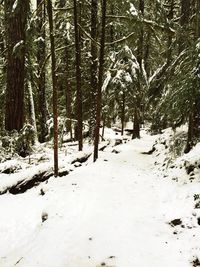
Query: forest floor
pixel 117 212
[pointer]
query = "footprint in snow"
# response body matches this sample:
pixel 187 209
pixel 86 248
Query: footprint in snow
pixel 108 262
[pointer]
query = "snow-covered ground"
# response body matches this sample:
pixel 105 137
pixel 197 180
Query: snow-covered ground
pixel 117 212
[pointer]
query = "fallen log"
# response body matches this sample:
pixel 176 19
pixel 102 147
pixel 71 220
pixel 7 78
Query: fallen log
pixel 27 184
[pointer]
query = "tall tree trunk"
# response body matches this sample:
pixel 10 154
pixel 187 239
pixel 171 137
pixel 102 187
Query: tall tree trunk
pixel 94 66
pixel 15 21
pixel 54 80
pixel 78 80
pixel 184 23
pixel 42 109
pixel 100 80
pixel 140 56
pixel 197 31
pixel 140 45
pixel 68 97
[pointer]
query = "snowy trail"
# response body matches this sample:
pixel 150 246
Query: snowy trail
pixel 112 213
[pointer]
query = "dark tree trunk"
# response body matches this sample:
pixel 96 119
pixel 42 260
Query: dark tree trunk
pixel 64 81
pixel 100 80
pixel 141 36
pixel 184 23
pixel 140 56
pixel 123 112
pixel 185 12
pixel 68 97
pixel 54 80
pixel 42 110
pixel 94 66
pixel 15 21
pixel 197 9
pixel 136 124
pixel 112 30
pixel 78 80
pixel 147 49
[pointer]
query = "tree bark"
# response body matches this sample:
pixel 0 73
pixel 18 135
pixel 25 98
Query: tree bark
pixel 123 112
pixel 54 81
pixel 41 55
pixel 197 31
pixel 140 56
pixel 141 36
pixel 68 97
pixel 78 80
pixel 15 23
pixel 136 124
pixel 94 66
pixel 100 80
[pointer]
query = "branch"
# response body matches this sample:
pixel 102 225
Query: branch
pixel 49 55
pixel 143 20
pixel 88 35
pixel 122 39
pixel 62 8
pixel 117 17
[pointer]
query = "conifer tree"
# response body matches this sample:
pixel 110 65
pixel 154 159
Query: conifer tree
pixel 54 83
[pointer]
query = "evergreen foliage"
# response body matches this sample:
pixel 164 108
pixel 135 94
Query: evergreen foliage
pixel 151 64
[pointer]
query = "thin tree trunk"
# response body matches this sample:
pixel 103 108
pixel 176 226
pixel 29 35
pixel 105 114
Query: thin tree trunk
pixel 197 31
pixel 32 111
pixel 78 80
pixel 100 80
pixel 140 56
pixel 123 113
pixel 103 129
pixel 68 97
pixel 54 81
pixel 190 134
pixel 41 55
pixel 94 67
pixel 141 36
pixel 112 29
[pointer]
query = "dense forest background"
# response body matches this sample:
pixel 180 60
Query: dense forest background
pixel 77 66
